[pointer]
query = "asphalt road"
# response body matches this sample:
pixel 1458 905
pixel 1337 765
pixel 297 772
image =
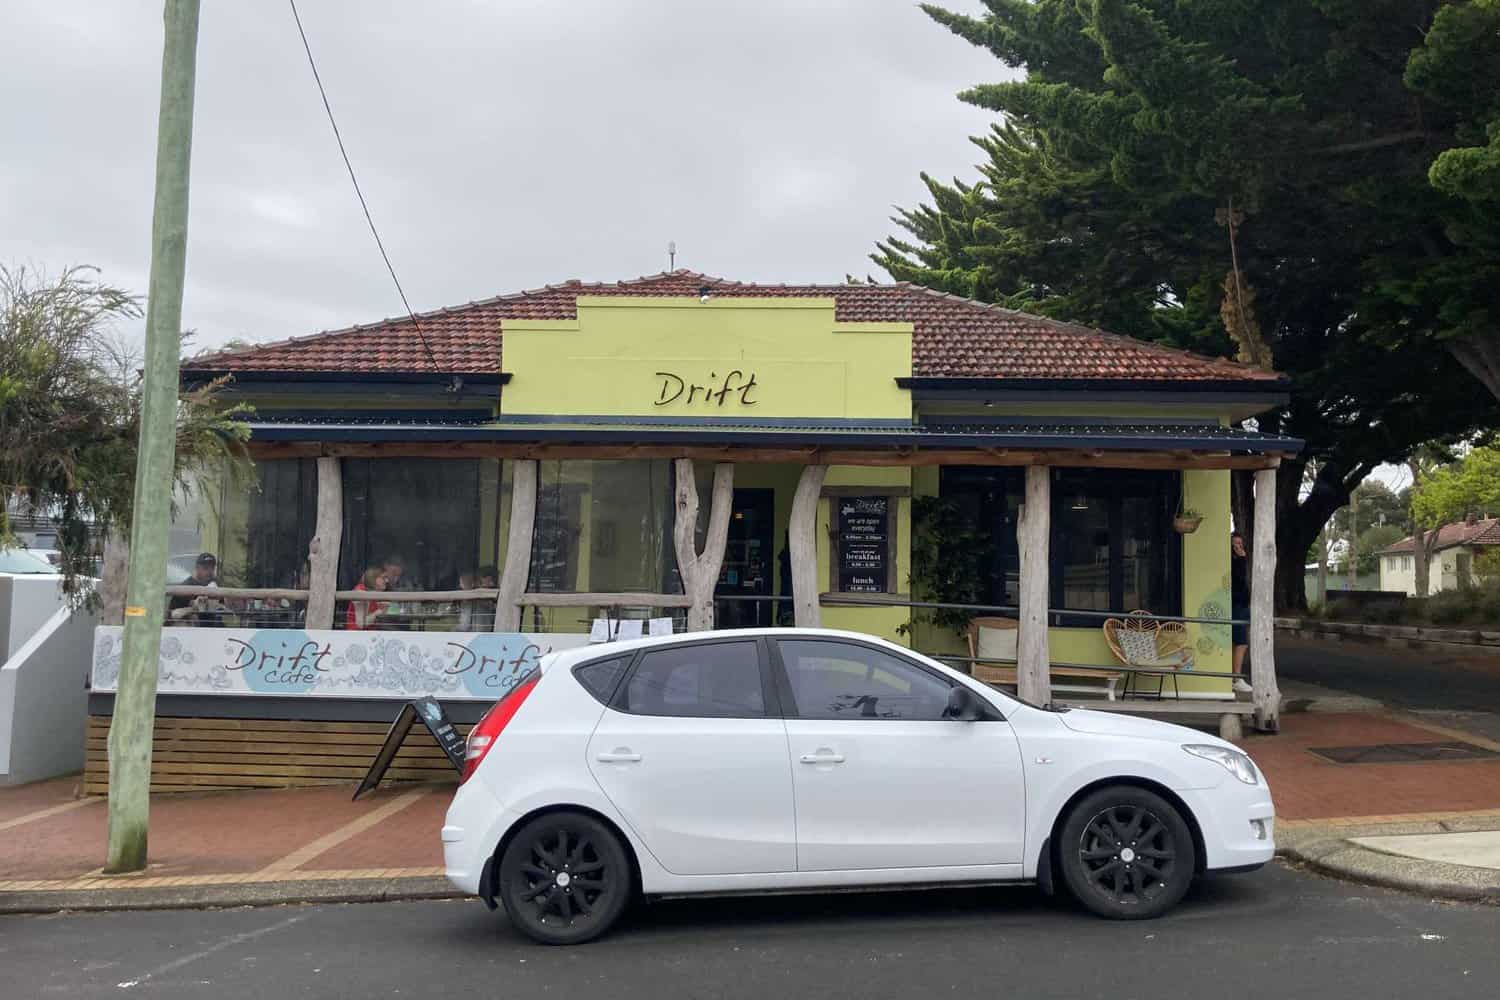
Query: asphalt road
pixel 1403 678
pixel 1278 933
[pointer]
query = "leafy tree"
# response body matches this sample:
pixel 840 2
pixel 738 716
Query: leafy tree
pixel 1470 486
pixel 947 561
pixel 1374 503
pixel 70 408
pixel 1241 178
pixel 1371 541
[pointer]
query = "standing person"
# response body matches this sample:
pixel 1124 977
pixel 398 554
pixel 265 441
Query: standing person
pixel 1239 599
pixel 363 614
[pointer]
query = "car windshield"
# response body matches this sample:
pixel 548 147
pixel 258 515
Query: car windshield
pixel 23 561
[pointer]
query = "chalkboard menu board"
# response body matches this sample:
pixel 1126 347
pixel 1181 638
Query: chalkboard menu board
pixel 864 544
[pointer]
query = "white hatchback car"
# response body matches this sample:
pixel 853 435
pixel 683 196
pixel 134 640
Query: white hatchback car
pixel 799 759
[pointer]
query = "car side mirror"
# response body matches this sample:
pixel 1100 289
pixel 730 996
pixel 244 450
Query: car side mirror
pixel 963 705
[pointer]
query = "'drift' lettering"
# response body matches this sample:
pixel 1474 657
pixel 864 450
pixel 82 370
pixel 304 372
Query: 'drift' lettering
pixel 298 668
pixel 493 670
pixel 735 383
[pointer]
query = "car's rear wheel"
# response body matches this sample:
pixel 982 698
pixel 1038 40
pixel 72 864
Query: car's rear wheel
pixel 1126 853
pixel 564 878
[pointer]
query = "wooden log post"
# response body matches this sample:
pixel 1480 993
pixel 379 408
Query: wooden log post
pixel 1033 676
pixel 323 550
pixel 802 539
pixel 114 573
pixel 700 570
pixel 517 546
pixel 1265 693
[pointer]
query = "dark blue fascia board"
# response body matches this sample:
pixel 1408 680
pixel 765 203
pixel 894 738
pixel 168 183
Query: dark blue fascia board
pixel 784 439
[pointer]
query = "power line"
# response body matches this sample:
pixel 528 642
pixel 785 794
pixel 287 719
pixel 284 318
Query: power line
pixel 360 194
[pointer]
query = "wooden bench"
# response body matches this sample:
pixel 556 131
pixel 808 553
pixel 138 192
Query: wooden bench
pixel 1106 681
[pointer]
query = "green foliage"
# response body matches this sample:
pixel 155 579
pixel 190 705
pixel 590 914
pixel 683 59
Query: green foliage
pixel 947 561
pixel 1487 564
pixel 1376 504
pixel 1371 541
pixel 1248 179
pixel 70 409
pixel 1470 486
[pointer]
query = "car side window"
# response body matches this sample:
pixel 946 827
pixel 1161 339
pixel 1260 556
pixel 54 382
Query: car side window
pixel 842 680
pixel 719 680
pixel 601 677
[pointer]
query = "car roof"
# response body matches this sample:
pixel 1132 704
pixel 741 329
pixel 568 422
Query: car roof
pixel 569 658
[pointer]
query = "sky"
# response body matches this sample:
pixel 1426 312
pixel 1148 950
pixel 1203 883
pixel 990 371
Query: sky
pixel 501 145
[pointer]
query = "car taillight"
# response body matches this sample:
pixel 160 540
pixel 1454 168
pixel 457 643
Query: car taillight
pixel 488 729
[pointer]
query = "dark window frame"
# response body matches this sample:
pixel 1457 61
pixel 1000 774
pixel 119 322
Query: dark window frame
pixel 788 697
pixel 769 694
pixel 1168 488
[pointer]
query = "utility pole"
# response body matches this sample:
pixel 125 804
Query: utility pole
pixel 134 719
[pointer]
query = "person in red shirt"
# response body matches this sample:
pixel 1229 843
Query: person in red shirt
pixel 362 615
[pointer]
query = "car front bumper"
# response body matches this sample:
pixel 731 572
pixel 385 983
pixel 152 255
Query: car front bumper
pixel 1238 823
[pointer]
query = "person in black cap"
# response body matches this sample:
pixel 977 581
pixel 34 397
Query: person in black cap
pixel 193 610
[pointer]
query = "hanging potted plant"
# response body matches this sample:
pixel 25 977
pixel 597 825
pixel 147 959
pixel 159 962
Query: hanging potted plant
pixel 1186 521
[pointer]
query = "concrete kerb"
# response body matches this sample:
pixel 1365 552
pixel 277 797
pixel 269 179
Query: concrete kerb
pixel 240 894
pixel 1327 848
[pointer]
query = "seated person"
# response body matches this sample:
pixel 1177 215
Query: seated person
pixel 363 615
pixel 394 568
pixel 477 615
pixel 202 611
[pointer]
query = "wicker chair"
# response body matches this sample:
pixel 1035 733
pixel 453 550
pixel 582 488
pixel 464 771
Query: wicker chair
pixel 1144 643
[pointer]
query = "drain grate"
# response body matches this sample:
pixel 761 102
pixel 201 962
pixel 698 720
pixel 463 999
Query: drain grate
pixel 1404 753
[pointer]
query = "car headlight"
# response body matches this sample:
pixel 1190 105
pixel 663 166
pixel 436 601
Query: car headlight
pixel 1232 761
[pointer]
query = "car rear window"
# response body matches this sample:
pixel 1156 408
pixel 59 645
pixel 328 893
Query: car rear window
pixel 601 677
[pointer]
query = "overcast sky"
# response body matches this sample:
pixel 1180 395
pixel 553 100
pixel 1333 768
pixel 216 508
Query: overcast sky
pixel 502 145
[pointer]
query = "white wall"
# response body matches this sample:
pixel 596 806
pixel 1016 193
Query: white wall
pixel 43 700
pixel 1442 572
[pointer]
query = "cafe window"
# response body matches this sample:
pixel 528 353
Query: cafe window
pixel 989 501
pixel 258 530
pixel 1113 547
pixel 441 519
pixel 603 527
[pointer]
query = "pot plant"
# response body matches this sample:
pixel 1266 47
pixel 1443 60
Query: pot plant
pixel 1186 521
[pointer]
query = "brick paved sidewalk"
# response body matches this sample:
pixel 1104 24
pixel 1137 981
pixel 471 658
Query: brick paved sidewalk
pixel 53 842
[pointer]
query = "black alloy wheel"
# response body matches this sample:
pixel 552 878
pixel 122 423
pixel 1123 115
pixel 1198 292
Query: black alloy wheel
pixel 1127 853
pixel 564 878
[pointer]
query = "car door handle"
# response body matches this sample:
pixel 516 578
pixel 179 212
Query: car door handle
pixel 823 757
pixel 620 755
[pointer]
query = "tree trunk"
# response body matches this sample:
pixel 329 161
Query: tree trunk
pixel 323 550
pixel 1480 354
pixel 1266 693
pixel 1423 542
pixel 1300 520
pixel 700 571
pixel 517 569
pixel 1033 660
pixel 802 538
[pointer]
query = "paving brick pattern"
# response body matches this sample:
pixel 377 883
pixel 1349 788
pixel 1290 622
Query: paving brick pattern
pixel 1306 786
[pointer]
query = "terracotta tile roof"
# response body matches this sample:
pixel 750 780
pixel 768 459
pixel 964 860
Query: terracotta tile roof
pixel 1482 532
pixel 954 337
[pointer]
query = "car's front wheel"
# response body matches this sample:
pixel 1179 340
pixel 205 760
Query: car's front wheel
pixel 564 878
pixel 1126 853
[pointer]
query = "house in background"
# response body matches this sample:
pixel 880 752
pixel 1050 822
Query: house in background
pixel 1452 561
